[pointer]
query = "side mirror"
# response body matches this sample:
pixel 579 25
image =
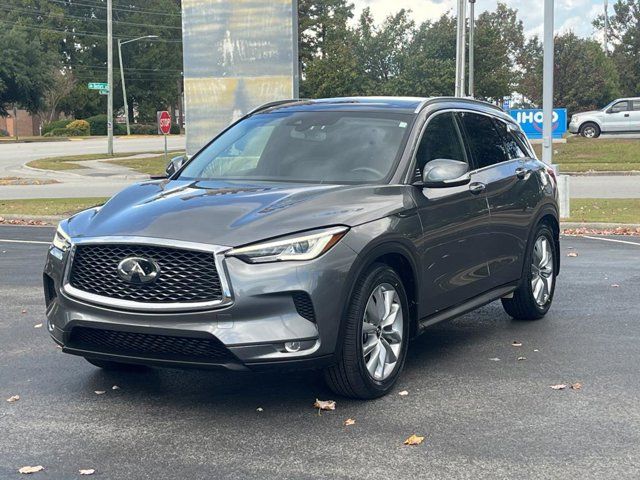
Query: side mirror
pixel 174 165
pixel 443 172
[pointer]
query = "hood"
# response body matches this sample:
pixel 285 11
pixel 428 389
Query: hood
pixel 235 213
pixel 590 112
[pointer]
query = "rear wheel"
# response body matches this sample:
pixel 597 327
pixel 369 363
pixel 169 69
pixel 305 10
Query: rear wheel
pixel 590 130
pixel 533 297
pixel 115 366
pixel 375 340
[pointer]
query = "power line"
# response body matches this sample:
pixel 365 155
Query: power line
pixel 78 33
pixel 121 22
pixel 120 9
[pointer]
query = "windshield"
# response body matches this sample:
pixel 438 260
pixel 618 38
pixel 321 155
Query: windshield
pixel 310 147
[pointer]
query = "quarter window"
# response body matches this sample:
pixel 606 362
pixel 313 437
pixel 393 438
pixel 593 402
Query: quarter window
pixel 484 141
pixel 440 139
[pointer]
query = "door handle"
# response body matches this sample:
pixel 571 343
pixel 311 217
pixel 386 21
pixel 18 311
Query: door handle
pixel 520 172
pixel 626 114
pixel 477 187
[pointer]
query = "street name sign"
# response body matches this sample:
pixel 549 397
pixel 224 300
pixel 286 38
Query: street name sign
pixel 98 86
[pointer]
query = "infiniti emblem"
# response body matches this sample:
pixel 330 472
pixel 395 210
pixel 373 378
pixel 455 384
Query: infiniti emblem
pixel 138 270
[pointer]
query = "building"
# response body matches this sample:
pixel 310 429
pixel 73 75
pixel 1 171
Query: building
pixel 27 124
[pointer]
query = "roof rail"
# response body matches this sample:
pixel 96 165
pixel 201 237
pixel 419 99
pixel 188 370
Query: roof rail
pixel 472 101
pixel 272 104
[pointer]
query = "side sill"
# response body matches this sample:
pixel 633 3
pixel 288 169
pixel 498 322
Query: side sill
pixel 467 306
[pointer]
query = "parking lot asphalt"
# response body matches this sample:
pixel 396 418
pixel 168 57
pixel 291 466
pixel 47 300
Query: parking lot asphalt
pixel 481 417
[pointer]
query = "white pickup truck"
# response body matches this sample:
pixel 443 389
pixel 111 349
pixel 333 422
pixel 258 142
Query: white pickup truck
pixel 620 116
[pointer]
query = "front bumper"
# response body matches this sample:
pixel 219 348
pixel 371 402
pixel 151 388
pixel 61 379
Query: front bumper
pixel 574 126
pixel 253 328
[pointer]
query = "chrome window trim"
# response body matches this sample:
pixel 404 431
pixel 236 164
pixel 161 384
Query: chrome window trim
pixel 217 252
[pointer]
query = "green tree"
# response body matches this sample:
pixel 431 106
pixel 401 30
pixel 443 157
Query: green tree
pixel 624 30
pixel 24 71
pixel 584 77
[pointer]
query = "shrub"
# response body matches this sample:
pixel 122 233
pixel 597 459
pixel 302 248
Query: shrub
pixel 57 132
pixel 3 133
pixel 144 129
pixel 79 126
pixel 54 125
pixel 97 124
pixel 175 129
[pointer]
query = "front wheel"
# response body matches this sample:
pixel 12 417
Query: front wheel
pixel 374 345
pixel 533 297
pixel 590 130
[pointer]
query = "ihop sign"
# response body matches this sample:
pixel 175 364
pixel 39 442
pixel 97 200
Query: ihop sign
pixel 530 120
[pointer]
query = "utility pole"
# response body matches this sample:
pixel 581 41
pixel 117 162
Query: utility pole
pixel 472 31
pixel 606 26
pixel 547 84
pixel 110 77
pixel 460 48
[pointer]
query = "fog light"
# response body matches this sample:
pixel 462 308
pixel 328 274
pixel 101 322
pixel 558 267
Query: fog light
pixel 292 346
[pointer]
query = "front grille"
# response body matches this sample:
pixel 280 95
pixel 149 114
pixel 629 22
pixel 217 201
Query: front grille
pixel 151 346
pixel 304 307
pixel 185 275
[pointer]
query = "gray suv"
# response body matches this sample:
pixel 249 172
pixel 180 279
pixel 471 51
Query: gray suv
pixel 312 234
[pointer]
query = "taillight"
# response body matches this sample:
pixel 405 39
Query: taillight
pixel 552 174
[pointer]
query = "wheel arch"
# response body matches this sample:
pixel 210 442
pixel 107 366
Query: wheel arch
pixel 401 258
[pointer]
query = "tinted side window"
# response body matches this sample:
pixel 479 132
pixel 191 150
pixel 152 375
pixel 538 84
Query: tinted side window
pixel 439 140
pixel 619 107
pixel 636 105
pixel 511 145
pixel 484 141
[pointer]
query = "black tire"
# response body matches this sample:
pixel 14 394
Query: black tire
pixel 114 366
pixel 523 305
pixel 588 127
pixel 349 377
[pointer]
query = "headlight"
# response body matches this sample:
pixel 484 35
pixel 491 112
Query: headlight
pixel 303 247
pixel 61 240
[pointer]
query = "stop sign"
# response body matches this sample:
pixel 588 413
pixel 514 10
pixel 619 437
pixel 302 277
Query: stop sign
pixel 164 122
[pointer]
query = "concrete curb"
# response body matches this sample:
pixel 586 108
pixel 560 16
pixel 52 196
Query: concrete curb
pixel 629 173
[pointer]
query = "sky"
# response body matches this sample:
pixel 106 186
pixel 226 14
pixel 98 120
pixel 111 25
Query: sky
pixel 575 15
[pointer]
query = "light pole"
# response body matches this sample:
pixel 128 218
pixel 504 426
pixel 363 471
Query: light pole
pixel 547 84
pixel 124 89
pixel 606 26
pixel 460 48
pixel 472 31
pixel 110 77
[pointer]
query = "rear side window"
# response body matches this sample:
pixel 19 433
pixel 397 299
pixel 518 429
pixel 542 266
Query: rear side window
pixel 485 142
pixel 619 107
pixel 511 145
pixel 636 105
pixel 440 139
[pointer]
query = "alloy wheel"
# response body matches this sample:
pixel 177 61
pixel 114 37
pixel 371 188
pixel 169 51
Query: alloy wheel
pixel 542 277
pixel 382 327
pixel 589 132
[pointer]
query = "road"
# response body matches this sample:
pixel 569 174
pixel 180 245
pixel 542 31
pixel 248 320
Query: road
pixel 481 418
pixel 604 186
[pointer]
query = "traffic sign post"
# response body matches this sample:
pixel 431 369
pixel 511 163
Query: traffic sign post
pixel 164 128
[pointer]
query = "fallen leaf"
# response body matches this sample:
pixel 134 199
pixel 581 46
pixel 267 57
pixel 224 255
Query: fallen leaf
pixel 88 471
pixel 38 325
pixel 349 421
pixel 259 409
pixel 495 359
pixel 13 398
pixel 516 343
pixel 28 469
pixel 560 386
pixel 414 440
pixel 115 387
pixel 572 254
pixel 24 311
pixel 100 392
pixel 615 285
pixel 325 404
pixel 521 358
pixel 403 393
pixel 536 350
pixel 576 386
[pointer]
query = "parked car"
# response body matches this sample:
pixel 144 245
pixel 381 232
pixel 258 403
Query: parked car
pixel 312 234
pixel 620 116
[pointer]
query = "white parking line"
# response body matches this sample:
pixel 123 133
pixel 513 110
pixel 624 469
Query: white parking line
pixel 611 240
pixel 34 242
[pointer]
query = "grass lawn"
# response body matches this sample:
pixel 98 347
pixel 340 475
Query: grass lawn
pixel 603 154
pixel 605 210
pixel 150 165
pixel 68 162
pixel 48 206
